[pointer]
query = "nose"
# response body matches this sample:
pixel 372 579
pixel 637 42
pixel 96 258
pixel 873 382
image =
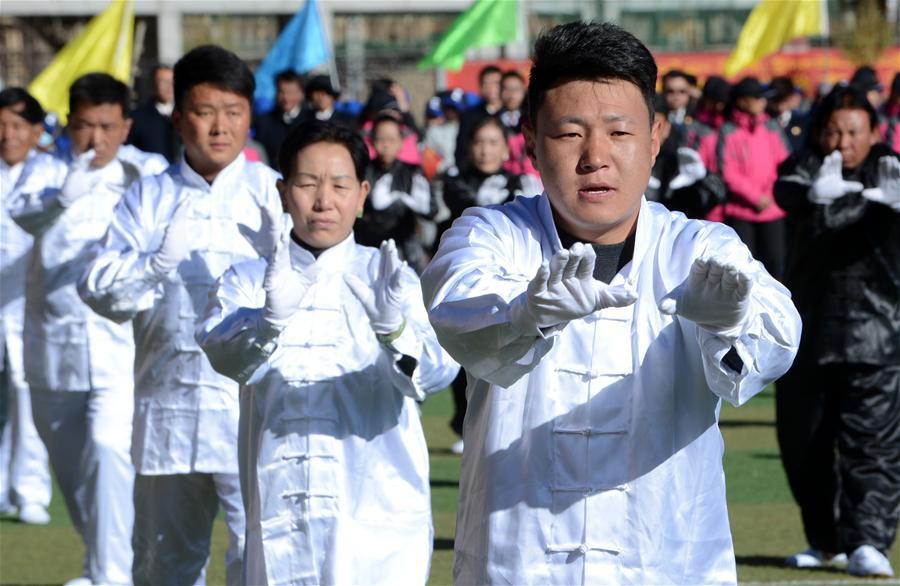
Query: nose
pixel 324 197
pixel 218 125
pixel 96 137
pixel 845 141
pixel 594 154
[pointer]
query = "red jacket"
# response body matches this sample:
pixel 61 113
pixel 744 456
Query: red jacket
pixel 748 152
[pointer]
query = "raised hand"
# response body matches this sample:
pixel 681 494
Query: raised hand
pixel 887 191
pixel 80 180
pixel 283 285
pixel 384 300
pixel 690 169
pixel 176 243
pixel 715 295
pixel 829 184
pixel 564 289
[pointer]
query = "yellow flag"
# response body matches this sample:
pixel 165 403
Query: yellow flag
pixel 103 46
pixel 772 24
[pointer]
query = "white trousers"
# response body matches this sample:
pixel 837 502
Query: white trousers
pixel 24 471
pixel 173 527
pixel 88 437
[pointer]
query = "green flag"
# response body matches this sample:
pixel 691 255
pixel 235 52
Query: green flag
pixel 487 23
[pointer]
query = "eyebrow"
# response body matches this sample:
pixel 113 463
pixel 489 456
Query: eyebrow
pixel 606 118
pixel 316 175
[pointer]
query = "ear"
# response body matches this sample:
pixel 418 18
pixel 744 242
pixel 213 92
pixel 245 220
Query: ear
pixel 280 186
pixel 128 123
pixel 530 142
pixel 654 139
pixel 364 188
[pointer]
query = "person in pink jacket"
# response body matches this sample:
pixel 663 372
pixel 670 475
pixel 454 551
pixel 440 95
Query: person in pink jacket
pixel 749 148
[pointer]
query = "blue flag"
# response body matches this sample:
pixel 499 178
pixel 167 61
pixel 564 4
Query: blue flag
pixel 301 46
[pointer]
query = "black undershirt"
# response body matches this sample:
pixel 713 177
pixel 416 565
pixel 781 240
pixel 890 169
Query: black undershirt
pixel 610 257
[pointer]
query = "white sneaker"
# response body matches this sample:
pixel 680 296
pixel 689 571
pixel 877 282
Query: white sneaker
pixel 34 515
pixel 814 558
pixel 868 561
pixel 457 448
pixel 79 581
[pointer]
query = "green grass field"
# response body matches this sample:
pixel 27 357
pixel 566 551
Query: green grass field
pixel 764 519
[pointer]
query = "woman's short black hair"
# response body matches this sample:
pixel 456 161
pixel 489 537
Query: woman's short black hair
pixel 95 89
pixel 31 112
pixel 215 66
pixel 386 116
pixel 316 131
pixel 589 51
pixel 842 97
pixel 487 121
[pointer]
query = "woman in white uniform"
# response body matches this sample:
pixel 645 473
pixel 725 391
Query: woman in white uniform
pixel 332 344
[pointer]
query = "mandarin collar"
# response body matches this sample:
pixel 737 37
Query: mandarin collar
pixel 226 177
pixel 331 260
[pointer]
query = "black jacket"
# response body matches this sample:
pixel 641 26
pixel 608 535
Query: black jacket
pixel 153 133
pixel 270 129
pixel 843 265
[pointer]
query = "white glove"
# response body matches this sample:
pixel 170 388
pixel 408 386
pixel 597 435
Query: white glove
pixel 565 289
pixel 383 302
pixel 888 190
pixel 283 285
pixel 176 242
pixel 715 295
pixel 690 169
pixel 653 183
pixel 381 196
pixel 829 184
pixel 80 180
pixel 493 190
pixel 271 227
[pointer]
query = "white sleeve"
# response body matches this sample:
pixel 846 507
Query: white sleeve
pixel 474 290
pixel 34 202
pixel 770 336
pixel 118 284
pixel 232 333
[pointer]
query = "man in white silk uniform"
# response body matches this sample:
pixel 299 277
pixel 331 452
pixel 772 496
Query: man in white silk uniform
pixel 600 333
pixel 172 236
pixel 334 346
pixel 24 472
pixel 78 364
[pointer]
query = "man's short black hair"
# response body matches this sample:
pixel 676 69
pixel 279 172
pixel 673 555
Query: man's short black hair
pixel 96 89
pixel 486 71
pixel 676 74
pixel 31 112
pixel 386 116
pixel 215 66
pixel 289 76
pixel 512 74
pixel 316 131
pixel 589 51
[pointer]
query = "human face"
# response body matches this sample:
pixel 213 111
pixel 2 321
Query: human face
pixel 321 100
pixel 387 141
pixel 512 93
pixel 849 131
pixel 17 135
pixel 490 87
pixel 751 105
pixel 677 92
pixel 162 85
pixel 289 95
pixel 323 195
pixel 101 127
pixel 594 146
pixel 213 125
pixel 489 149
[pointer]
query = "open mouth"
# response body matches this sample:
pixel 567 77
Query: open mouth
pixel 595 191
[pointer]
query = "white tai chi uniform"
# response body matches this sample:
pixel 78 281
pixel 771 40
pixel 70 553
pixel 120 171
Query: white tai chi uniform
pixel 334 463
pixel 79 367
pixel 24 471
pixel 593 453
pixel 186 414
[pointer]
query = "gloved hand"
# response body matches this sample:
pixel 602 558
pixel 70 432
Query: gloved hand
pixel 271 228
pixel 888 190
pixel 829 184
pixel 690 169
pixel 80 180
pixel 715 295
pixel 283 285
pixel 493 190
pixel 653 183
pixel 565 289
pixel 381 196
pixel 176 243
pixel 383 302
